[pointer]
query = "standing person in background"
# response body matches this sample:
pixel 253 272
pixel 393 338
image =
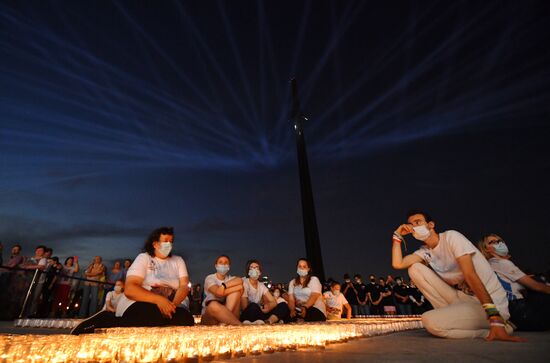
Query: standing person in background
pixel 16 257
pixel 350 293
pixel 257 303
pixel 419 303
pixel 90 300
pixel 528 299
pixel 222 303
pixel 362 298
pixel 388 302
pixel 401 294
pixel 62 288
pixel 304 294
pixel 115 274
pixel 37 262
pixel 374 296
pixel 336 302
pixel 196 299
pixel 125 267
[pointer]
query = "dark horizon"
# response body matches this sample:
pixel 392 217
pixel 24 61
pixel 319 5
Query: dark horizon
pixel 120 117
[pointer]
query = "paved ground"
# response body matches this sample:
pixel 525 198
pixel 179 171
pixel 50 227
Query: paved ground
pixel 411 346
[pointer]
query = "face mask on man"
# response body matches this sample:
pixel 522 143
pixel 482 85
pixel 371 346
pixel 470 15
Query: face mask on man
pixel 501 249
pixel 421 233
pixel 222 269
pixel 165 248
pixel 118 289
pixel 253 273
pixel 373 280
pixel 302 272
pixel 336 292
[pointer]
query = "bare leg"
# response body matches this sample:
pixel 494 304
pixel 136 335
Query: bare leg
pixel 217 312
pixel 233 303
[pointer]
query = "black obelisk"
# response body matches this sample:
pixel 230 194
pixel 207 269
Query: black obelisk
pixel 311 233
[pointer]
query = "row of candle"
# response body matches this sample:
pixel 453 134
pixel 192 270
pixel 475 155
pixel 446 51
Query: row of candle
pixel 189 344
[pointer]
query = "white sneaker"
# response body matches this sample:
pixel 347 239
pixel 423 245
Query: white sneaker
pixel 258 322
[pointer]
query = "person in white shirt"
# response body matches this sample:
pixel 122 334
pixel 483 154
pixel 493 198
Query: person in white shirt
pixel 528 298
pixel 257 303
pixel 222 295
pixel 278 297
pixel 468 300
pixel 304 294
pixel 156 283
pixel 114 296
pixel 335 302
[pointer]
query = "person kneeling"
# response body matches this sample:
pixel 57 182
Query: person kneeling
pixel 335 302
pixel 254 293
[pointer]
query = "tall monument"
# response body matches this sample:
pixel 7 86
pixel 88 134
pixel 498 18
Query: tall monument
pixel 311 233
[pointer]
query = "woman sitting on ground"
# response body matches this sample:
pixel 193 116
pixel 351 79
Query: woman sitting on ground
pixel 114 296
pixel 223 295
pixel 156 283
pixel 528 299
pixel 304 295
pixel 254 294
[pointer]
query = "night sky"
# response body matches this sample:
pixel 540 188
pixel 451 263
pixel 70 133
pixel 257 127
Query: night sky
pixel 120 117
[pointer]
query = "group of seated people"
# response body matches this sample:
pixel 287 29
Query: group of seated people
pixel 482 286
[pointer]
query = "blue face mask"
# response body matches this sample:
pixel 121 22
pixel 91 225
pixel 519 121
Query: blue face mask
pixel 501 249
pixel 222 269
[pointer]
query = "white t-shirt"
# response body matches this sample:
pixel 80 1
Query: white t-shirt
pixel 254 295
pixel 509 274
pixel 156 272
pixel 210 281
pixel 302 294
pixel 114 298
pixel 335 302
pixel 443 260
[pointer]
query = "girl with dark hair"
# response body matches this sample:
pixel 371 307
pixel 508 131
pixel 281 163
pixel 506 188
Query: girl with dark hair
pixel 223 295
pixel 156 283
pixel 257 303
pixel 304 293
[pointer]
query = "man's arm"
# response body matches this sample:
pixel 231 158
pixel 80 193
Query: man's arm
pixel 182 291
pixel 497 331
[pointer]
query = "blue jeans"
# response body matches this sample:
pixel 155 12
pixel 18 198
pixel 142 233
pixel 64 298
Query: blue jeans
pixel 89 301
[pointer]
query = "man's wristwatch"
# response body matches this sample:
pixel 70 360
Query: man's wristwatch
pixel 224 285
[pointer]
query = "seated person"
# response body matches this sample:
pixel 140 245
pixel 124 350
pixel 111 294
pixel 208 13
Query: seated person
pixel 223 295
pixel 335 302
pixel 528 299
pixel 304 295
pixel 257 303
pixel 156 283
pixel 460 282
pixel 113 297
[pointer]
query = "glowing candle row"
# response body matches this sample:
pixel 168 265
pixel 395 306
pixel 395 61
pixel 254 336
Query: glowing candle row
pixel 179 344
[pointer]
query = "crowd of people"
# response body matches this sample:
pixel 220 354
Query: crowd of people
pixel 460 290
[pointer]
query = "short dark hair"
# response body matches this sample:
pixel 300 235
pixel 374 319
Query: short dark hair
pixel 346 276
pixel 357 276
pixel 154 237
pixel 17 245
pixel 41 246
pixel 334 283
pixel 426 216
pixel 48 249
pixel 250 262
pixel 67 259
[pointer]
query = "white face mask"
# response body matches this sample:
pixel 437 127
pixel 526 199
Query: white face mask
pixel 253 274
pixel 421 233
pixel 336 292
pixel 501 249
pixel 222 269
pixel 302 272
pixel 118 289
pixel 165 248
pixel 276 294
